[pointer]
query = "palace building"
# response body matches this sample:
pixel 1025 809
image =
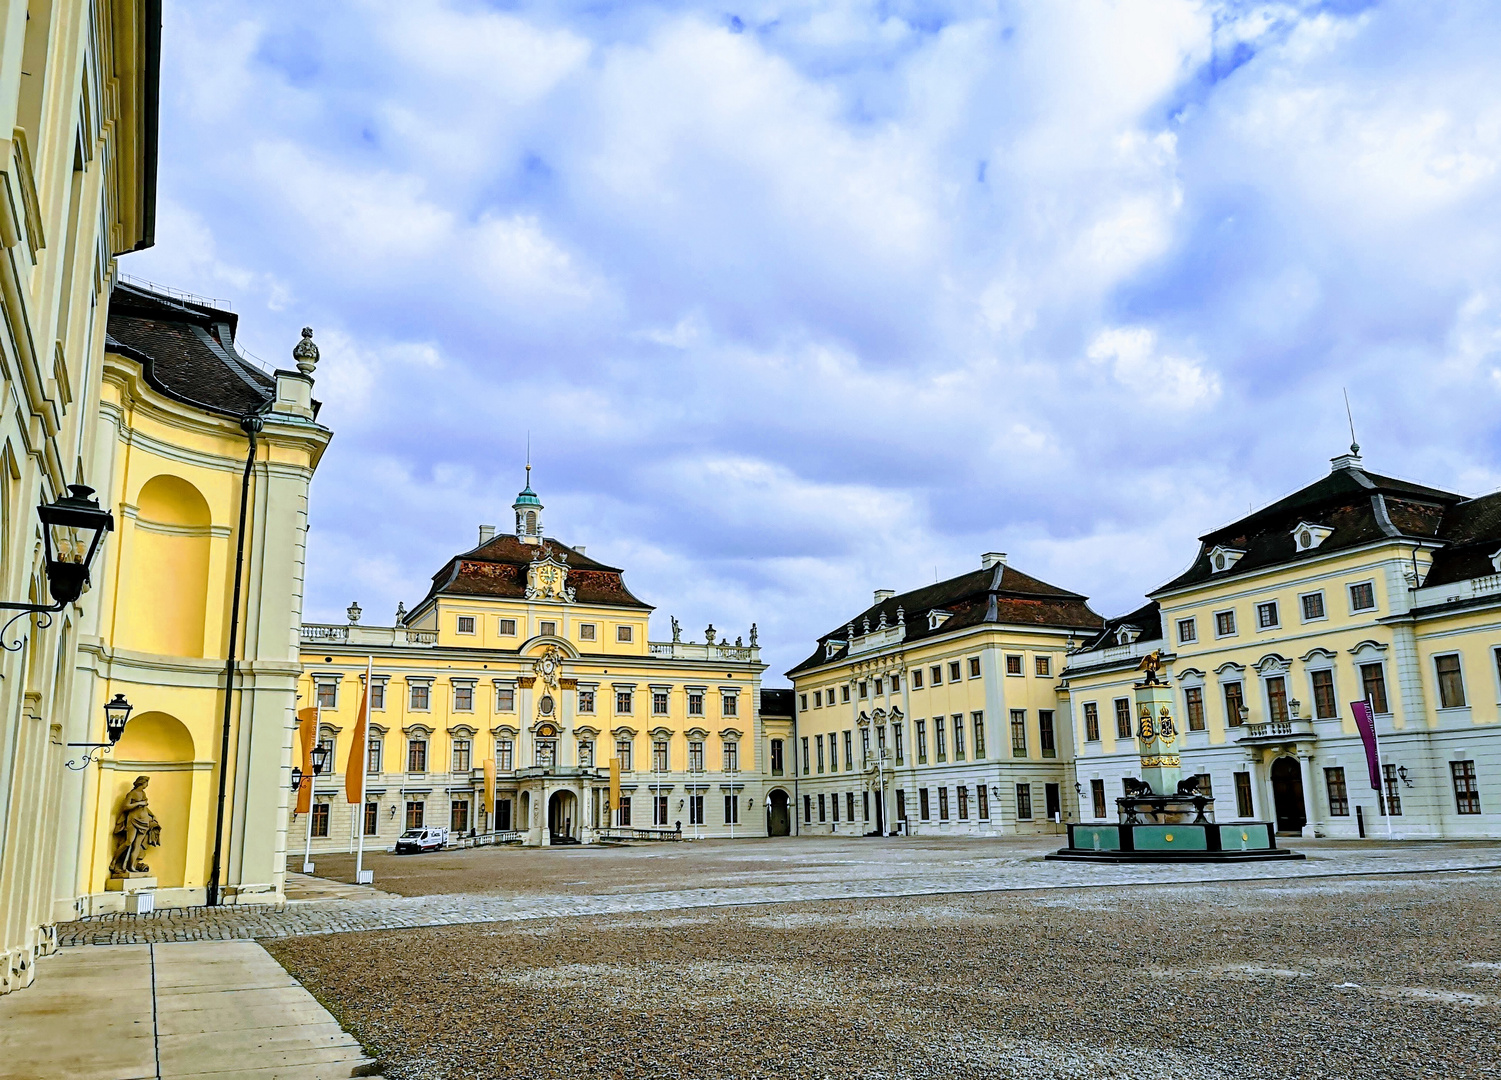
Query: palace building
pixel 1356 587
pixel 936 710
pixel 500 701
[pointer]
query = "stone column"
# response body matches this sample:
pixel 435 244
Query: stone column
pixel 1306 774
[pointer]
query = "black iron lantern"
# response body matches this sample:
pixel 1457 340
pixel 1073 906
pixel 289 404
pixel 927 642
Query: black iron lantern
pixel 116 712
pixel 72 530
pixel 320 758
pixel 296 778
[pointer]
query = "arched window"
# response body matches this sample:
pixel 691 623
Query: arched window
pixel 531 521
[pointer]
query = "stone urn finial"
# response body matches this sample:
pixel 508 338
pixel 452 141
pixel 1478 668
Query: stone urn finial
pixel 354 612
pixel 305 352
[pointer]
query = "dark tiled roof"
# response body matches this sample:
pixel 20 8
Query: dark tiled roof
pixel 1001 595
pixel 1473 529
pixel 186 351
pixel 498 567
pixel 1147 619
pixel 1358 507
pixel 776 702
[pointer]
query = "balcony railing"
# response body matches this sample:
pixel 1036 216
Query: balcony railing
pixel 699 650
pixel 1272 730
pixel 357 634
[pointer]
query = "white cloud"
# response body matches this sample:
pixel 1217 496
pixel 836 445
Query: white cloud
pixel 1133 356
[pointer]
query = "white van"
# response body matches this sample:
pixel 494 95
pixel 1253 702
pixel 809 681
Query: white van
pixel 426 839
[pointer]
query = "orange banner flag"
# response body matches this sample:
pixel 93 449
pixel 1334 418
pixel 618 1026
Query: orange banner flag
pixel 307 736
pixel 488 797
pixel 354 773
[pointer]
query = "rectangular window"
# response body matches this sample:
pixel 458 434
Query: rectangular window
pixel 730 756
pixel 1024 802
pixel 624 750
pixel 1188 631
pixel 659 756
pixel 1339 795
pixel 807 765
pixel 834 799
pixel 547 753
pixel 979 721
pixel 729 704
pixel 844 694
pixel 1373 686
pixel 695 703
pixel 807 809
pixel 505 698
pixel 1276 698
pixel 864 689
pixel 823 812
pixel 466 624
pixel 817 699
pixel 696 756
pixel 849 805
pixel 505 755
pixel 777 764
pixel 940 740
pixel 624 633
pixel 659 810
pixel 378 694
pixel 834 752
pixel 1091 722
pixel 372 818
pixel 507 627
pixel 958 737
pixel 1266 615
pixel 1018 733
pixel 953 671
pixel 896 737
pixel 372 761
pixel 1193 701
pixel 623 702
pixel 1466 790
pixel 1045 738
pixel 1451 684
pixel 320 819
pixel 1097 795
pixel 1325 706
pixel 586 753
pixel 659 702
pixel 695 809
pixel 1393 802
pixel 416 810
pixel 328 694
pixel 1224 623
pixel 901 805
pixel 1362 596
pixel 461 754
pixel 587 631
pixel 1013 664
pixel 1243 807
pixel 802 702
pixel 974 667
pixel 923 809
pixel 818 742
pixel 418 696
pixel 463 697
pixel 1313 606
pixel 917 678
pixel 417 755
pixel 458 816
pixel 963 803
pixel 1122 718
pixel 849 752
pixel 936 671
pixel 922 743
pixel 982 802
pixel 1235 704
pixel 1044 665
pixel 880 687
pixel 732 810
pixel 896 684
pixel 943 804
pixel 625 810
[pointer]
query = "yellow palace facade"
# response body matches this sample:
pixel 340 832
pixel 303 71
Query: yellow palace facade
pixel 501 700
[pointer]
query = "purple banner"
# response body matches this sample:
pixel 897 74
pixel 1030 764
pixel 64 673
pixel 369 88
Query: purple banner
pixel 1365 723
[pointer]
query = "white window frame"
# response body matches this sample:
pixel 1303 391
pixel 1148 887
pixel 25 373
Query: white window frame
pixel 542 627
pixel 1234 624
pixel 592 634
pixel 500 627
pixel 625 633
pixel 473 625
pixel 1193 630
pixel 1313 697
pixel 1303 615
pixel 500 688
pixel 1351 586
pixel 1276 623
pixel 1438 697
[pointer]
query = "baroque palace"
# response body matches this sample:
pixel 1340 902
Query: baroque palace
pixel 522 699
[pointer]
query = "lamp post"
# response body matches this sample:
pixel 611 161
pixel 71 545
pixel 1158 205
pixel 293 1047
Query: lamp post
pixel 73 527
pixel 116 712
pixel 319 756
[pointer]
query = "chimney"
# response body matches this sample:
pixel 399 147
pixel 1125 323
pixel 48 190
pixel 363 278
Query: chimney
pixel 486 534
pixel 884 594
pixel 991 559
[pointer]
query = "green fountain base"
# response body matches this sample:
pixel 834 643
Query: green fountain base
pixel 1245 841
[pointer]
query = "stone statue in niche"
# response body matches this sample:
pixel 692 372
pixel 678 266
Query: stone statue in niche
pixel 136 829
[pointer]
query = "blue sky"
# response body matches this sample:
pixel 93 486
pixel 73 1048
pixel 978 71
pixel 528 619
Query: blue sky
pixel 802 301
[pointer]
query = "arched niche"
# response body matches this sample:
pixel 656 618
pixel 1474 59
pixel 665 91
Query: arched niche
pixel 165 597
pixel 158 746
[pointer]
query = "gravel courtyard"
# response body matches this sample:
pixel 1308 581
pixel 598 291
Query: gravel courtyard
pixel 1383 976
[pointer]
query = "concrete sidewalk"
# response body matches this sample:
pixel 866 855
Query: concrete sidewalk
pixel 219 1009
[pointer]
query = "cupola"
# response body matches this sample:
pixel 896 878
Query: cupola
pixel 528 512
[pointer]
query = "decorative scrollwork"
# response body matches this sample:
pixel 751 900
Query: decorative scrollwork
pixel 45 621
pixel 92 751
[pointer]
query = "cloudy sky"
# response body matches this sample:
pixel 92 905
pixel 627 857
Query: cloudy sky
pixel 802 300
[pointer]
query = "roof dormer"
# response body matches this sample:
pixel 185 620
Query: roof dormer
pixel 1307 536
pixel 937 617
pixel 1127 634
pixel 1222 558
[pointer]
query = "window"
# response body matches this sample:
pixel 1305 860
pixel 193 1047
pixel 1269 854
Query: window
pixel 328 694
pixel 818 742
pixel 624 633
pixel 463 697
pixel 1466 791
pixel 807 768
pixel 461 755
pixel 953 671
pixel 623 752
pixel 1091 722
pixel 695 703
pixel 416 755
pixel 776 757
pixel 1313 606
pixel 507 627
pixel 418 696
pixel 979 722
pixel 835 800
pixel 917 676
pixel 1451 683
pixel 901 805
pixel 731 809
pixel 586 753
pixel 1044 665
pixel 896 684
pixel 1276 698
pixel 586 701
pixel 659 810
pixel 802 702
pixel 372 818
pixel 466 624
pixel 659 756
pixel 320 819
pixel 587 631
pixel 731 755
pixel 834 753
pixel 896 737
pixel 695 756
pixel 1243 807
pixel 922 743
pixel 864 688
pixel 1097 796
pixel 823 814
pixel 695 809
pixel 729 704
pixel 1122 718
pixel 1393 802
pixel 1266 615
pixel 625 810
pixel 547 753
pixel 1019 732
pixel 974 667
pixel 1373 686
pixel 880 685
pixel 865 737
pixel 1339 795
pixel 807 809
pixel 378 694
pixel 1188 631
pixel 982 802
pixel 505 755
pixel 659 702
pixel 958 736
pixel 963 803
pixel 844 694
pixel 415 810
pixel 936 671
pixel 940 740
pixel 1235 704
pixel 1362 596
pixel 1324 705
pixel 458 816
pixel 1045 740
pixel 1224 623
pixel 1193 701
pixel 547 628
pixel 623 702
pixel 923 809
pixel 372 760
pixel 505 698
pixel 943 804
pixel 1024 802
pixel 1013 664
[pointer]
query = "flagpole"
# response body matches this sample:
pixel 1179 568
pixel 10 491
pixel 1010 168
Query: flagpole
pixel 312 796
pixel 1385 796
pixel 359 859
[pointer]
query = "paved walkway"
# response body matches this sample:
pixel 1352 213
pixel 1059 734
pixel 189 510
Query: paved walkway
pixel 1020 873
pixel 223 1010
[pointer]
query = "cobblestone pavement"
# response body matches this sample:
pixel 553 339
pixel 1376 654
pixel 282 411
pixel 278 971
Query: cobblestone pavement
pixel 787 871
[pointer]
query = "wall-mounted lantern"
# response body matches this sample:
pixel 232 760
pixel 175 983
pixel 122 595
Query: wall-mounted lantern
pixel 116 712
pixel 73 527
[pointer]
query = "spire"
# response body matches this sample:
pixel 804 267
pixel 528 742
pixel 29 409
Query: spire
pixel 528 508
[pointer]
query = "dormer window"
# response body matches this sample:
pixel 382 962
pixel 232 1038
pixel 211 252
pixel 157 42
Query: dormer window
pixel 831 648
pixel 1496 561
pixel 1308 536
pixel 937 618
pixel 1126 635
pixel 1223 558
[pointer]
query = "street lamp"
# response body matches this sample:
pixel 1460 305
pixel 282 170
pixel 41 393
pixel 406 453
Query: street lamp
pixel 296 778
pixel 73 527
pixel 116 712
pixel 320 758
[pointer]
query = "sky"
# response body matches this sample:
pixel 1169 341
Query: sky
pixel 799 301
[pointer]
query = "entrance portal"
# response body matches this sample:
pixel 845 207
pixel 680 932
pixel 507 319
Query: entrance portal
pixel 778 816
pixel 562 818
pixel 1287 794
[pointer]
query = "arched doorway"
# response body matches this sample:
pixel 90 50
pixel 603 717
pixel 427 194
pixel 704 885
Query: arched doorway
pixel 1287 795
pixel 778 816
pixel 562 818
